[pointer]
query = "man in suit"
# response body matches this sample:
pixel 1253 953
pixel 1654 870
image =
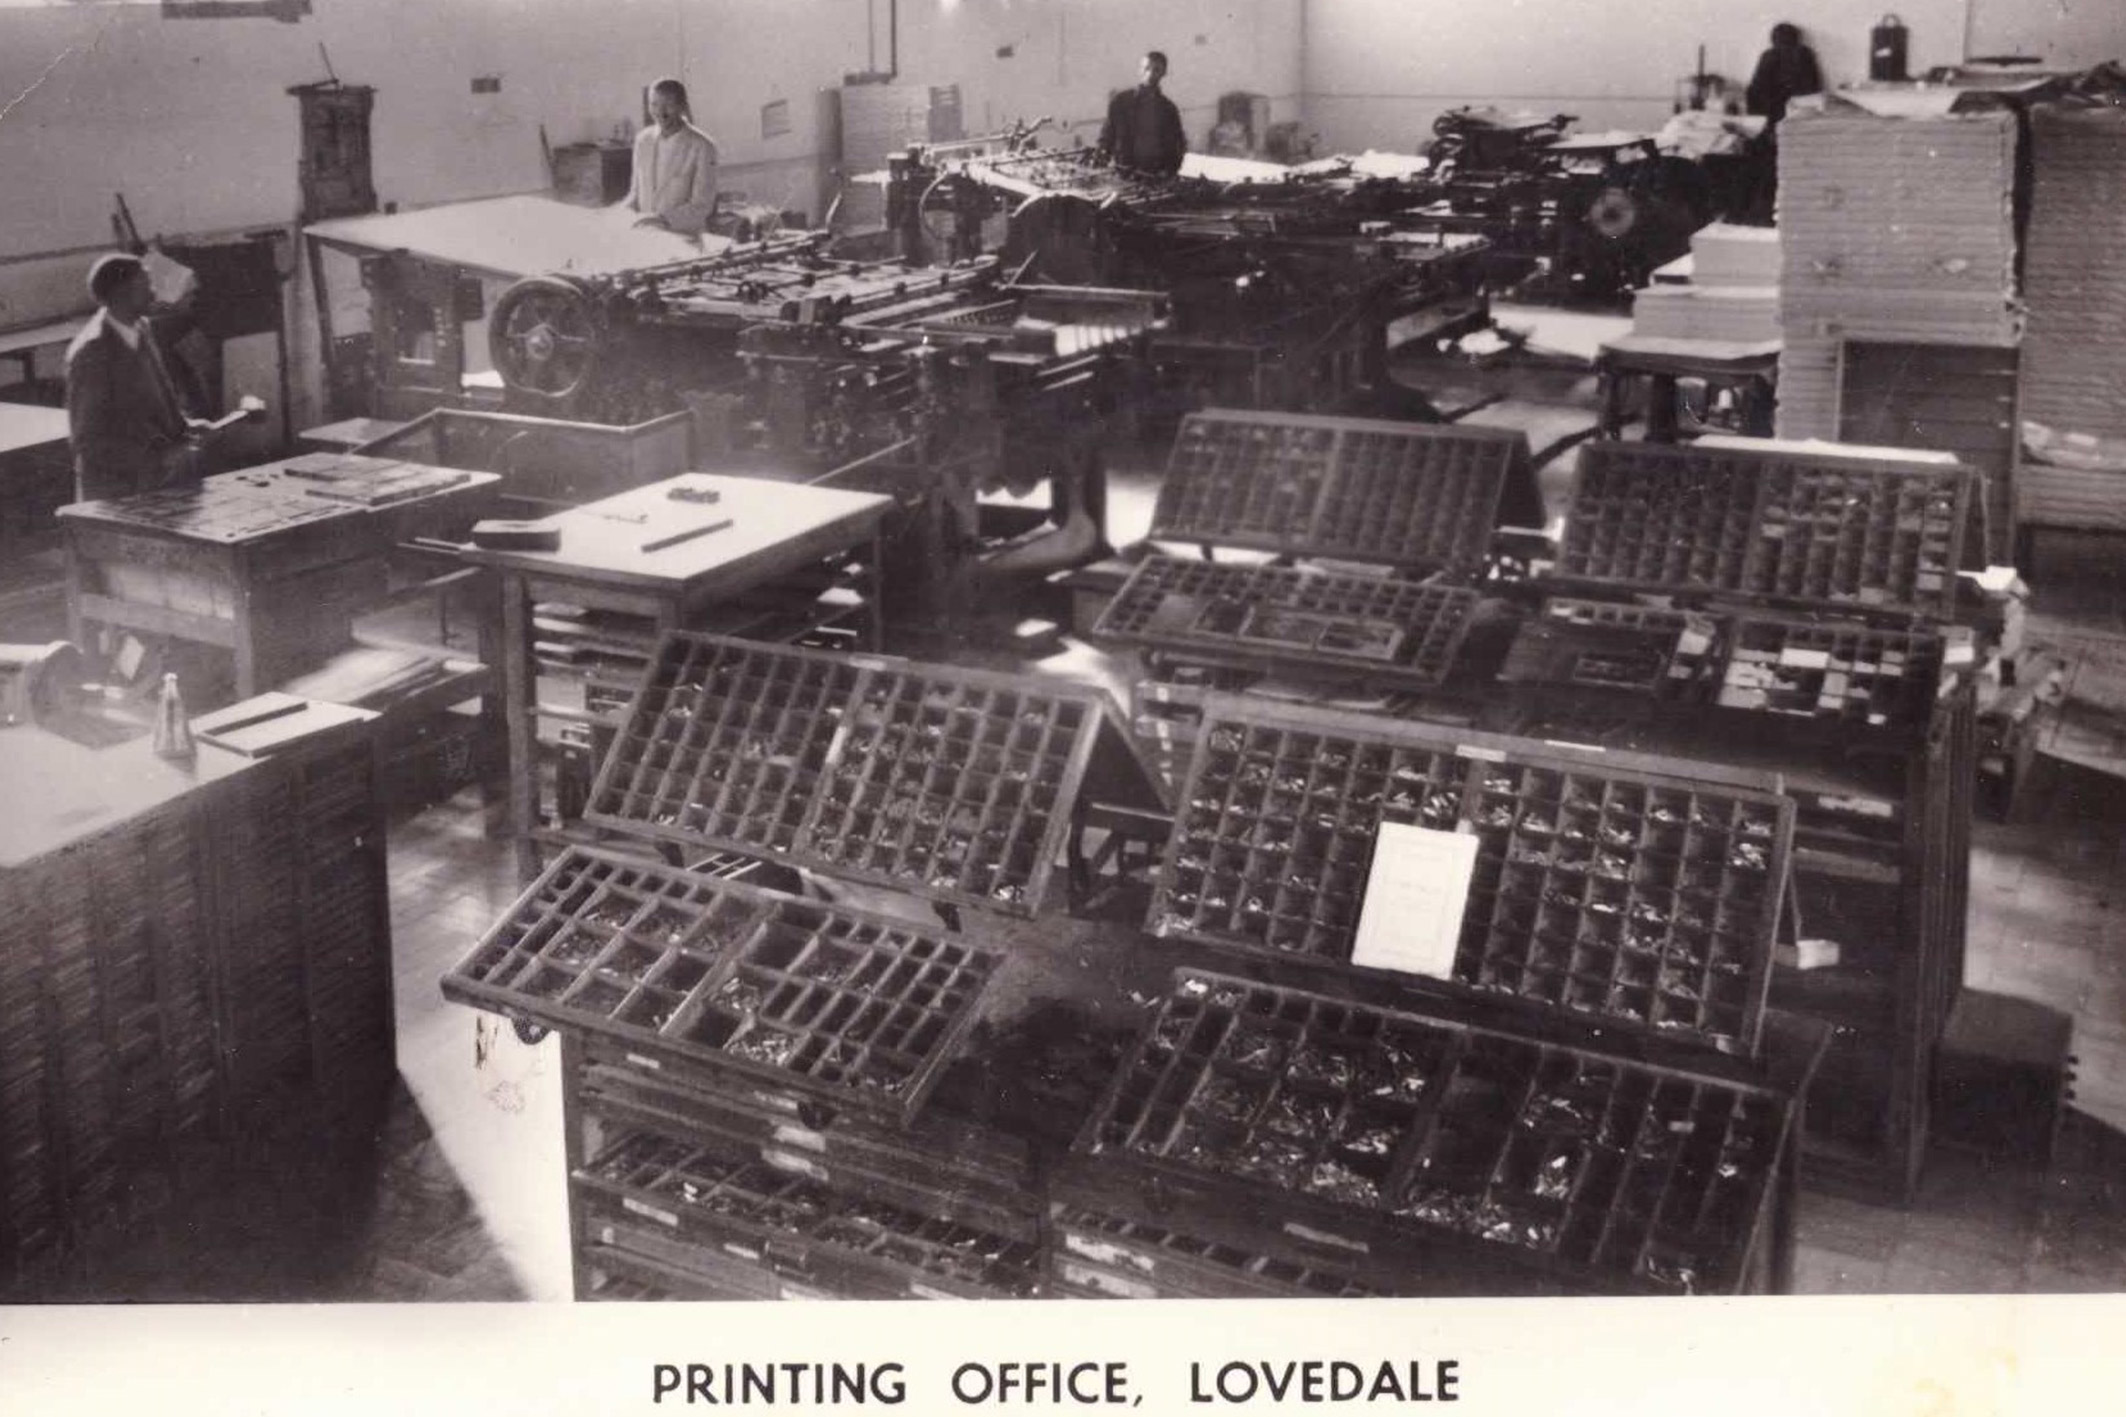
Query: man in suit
pixel 674 182
pixel 1143 128
pixel 125 421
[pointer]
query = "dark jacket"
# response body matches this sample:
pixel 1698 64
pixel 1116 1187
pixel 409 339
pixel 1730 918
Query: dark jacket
pixel 1783 74
pixel 124 421
pixel 1143 132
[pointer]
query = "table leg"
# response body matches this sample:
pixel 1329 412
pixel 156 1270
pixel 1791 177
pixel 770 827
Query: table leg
pixel 875 607
pixel 1661 408
pixel 484 594
pixel 246 643
pixel 1786 1198
pixel 1611 387
pixel 520 712
pixel 77 578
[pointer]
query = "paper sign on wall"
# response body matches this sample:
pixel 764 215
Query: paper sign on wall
pixel 1411 919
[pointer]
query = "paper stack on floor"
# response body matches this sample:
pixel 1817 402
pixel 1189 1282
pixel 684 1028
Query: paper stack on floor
pixel 2074 351
pixel 1898 230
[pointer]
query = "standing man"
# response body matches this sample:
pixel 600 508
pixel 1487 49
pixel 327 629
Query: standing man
pixel 125 422
pixel 1143 128
pixel 674 184
pixel 1785 72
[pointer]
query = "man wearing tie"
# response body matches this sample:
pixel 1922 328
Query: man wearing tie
pixel 125 422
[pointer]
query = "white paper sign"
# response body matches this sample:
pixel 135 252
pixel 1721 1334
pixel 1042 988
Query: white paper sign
pixel 1411 919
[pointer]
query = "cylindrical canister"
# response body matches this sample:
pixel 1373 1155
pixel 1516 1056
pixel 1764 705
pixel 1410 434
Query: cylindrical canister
pixel 1888 43
pixel 39 682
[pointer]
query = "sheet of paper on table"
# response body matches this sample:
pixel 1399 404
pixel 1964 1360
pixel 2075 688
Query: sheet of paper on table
pixel 1411 919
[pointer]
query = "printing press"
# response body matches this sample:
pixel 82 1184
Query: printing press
pixel 1283 292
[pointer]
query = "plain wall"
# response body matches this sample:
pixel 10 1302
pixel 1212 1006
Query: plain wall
pixel 2068 34
pixel 1066 56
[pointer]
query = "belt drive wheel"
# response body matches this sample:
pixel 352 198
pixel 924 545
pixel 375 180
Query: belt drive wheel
pixel 546 338
pixel 1613 214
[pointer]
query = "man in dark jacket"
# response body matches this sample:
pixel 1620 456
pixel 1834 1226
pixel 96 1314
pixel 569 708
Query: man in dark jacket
pixel 1786 71
pixel 125 421
pixel 1143 128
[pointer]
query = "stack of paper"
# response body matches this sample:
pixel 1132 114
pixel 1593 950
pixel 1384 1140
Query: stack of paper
pixel 1726 289
pixel 1808 387
pixel 2074 352
pixel 1725 254
pixel 1742 314
pixel 1898 229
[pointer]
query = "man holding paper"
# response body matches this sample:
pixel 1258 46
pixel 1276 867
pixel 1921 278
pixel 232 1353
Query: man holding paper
pixel 126 421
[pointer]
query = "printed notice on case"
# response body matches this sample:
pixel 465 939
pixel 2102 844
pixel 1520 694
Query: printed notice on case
pixel 1411 919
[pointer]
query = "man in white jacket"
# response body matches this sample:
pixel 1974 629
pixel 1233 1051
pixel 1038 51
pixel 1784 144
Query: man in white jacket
pixel 674 185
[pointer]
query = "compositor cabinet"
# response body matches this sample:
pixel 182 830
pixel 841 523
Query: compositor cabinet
pixel 207 962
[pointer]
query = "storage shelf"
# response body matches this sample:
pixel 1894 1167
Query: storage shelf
pixel 796 1228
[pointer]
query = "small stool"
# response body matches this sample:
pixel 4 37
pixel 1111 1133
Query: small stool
pixel 1751 370
pixel 2001 1075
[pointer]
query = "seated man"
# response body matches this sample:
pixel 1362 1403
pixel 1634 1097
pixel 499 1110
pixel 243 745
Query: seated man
pixel 125 420
pixel 674 184
pixel 1143 128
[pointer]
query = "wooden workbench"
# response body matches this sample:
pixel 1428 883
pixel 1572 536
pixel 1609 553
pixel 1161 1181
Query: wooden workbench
pixel 255 562
pixel 772 530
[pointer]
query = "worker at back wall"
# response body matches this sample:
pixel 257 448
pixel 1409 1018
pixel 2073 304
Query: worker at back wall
pixel 1785 72
pixel 674 183
pixel 126 422
pixel 1143 128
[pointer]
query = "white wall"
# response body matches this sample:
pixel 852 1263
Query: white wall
pixel 1067 55
pixel 2073 34
pixel 1378 71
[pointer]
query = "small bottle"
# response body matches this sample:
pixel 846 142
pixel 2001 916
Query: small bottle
pixel 173 729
